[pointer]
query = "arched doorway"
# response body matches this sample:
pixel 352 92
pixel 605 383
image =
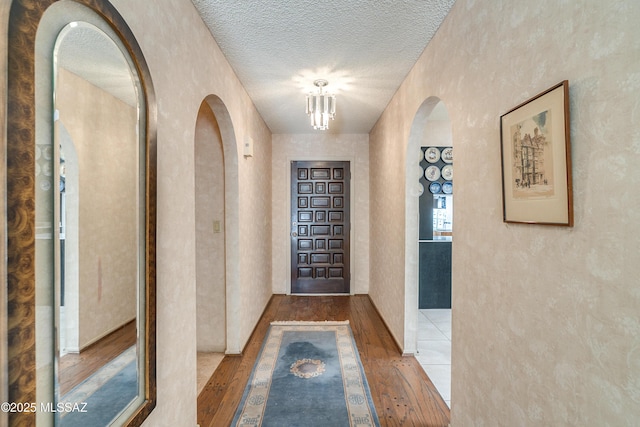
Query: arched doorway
pixel 216 212
pixel 428 332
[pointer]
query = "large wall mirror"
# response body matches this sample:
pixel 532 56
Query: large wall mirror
pixel 81 210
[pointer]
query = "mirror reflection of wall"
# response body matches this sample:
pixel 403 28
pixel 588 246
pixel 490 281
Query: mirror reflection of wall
pixel 96 151
pixel 101 193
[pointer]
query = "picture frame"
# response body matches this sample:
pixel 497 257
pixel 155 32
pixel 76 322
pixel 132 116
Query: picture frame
pixel 536 160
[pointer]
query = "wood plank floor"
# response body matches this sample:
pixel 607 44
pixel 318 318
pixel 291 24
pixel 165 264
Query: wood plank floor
pixel 75 368
pixel 402 393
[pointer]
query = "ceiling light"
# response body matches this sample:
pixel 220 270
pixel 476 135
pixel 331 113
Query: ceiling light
pixel 321 107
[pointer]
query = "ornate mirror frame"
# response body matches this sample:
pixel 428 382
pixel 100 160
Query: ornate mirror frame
pixel 25 16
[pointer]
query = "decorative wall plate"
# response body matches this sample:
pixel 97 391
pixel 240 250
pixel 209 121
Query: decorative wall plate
pixel 435 187
pixel 46 152
pixel 432 173
pixel 420 189
pixel 45 185
pixel 447 155
pixel 432 155
pixel 447 172
pixel 447 188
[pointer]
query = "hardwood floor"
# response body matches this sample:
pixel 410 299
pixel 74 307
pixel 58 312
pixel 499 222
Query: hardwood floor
pixel 402 393
pixel 75 368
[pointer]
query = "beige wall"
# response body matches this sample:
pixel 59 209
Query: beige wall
pixel 187 66
pixel 437 133
pixel 210 243
pixel 545 324
pixel 353 148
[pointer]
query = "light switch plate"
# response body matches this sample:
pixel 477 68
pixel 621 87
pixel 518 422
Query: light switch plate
pixel 248 147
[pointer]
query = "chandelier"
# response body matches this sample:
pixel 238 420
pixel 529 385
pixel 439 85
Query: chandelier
pixel 321 107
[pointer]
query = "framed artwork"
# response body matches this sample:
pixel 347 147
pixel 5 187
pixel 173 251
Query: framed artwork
pixel 536 160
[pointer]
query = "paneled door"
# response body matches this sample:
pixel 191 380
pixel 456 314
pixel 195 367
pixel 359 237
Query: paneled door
pixel 320 227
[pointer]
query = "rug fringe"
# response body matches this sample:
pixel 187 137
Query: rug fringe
pixel 303 322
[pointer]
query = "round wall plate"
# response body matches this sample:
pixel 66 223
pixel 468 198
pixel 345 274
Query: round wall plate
pixel 447 172
pixel 447 155
pixel 432 155
pixel 432 173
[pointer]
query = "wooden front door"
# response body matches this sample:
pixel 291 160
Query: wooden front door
pixel 320 227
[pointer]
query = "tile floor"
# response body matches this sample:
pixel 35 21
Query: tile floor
pixel 207 364
pixel 434 348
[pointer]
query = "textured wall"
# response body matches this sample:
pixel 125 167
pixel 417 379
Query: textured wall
pixel 353 148
pixel 437 133
pixel 210 251
pixel 186 66
pixel 545 324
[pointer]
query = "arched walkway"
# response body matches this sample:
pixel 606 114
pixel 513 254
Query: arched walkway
pixel 217 253
pixel 431 127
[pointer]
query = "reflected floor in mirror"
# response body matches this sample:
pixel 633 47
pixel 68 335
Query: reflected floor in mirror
pixel 75 368
pixel 102 396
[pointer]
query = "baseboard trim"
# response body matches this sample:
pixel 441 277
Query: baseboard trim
pixel 395 340
pixel 253 330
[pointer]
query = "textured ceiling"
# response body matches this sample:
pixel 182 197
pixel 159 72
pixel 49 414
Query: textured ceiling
pixel 363 48
pixel 88 52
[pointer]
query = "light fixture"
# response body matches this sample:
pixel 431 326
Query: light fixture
pixel 321 107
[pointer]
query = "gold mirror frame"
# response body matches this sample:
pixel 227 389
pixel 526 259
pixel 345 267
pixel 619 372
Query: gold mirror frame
pixel 25 16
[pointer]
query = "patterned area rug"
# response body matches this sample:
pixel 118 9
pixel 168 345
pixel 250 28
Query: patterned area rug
pixel 106 393
pixel 307 374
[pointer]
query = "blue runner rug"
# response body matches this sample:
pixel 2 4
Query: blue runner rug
pixel 104 394
pixel 307 374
